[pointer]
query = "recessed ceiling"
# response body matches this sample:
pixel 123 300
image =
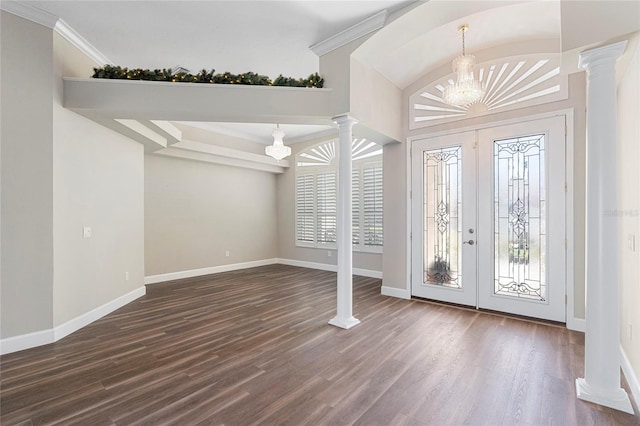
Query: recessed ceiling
pixel 262 133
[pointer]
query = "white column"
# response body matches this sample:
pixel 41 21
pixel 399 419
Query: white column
pixel 601 382
pixel 344 317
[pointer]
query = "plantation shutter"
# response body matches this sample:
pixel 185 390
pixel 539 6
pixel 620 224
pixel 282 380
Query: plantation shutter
pixel 355 206
pixel 327 203
pixel 304 208
pixel 372 190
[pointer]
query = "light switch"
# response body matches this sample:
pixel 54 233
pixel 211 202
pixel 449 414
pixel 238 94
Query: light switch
pixel 86 232
pixel 632 242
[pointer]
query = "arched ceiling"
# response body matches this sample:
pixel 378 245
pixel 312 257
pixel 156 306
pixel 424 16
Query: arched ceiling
pixel 427 37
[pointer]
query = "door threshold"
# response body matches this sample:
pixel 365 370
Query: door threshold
pixel 491 312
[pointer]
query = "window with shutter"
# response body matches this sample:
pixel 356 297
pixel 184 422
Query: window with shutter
pixel 304 208
pixel 327 207
pixel 355 206
pixel 372 188
pixel 316 196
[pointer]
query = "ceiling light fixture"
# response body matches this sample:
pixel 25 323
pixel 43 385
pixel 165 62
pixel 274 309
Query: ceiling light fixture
pixel 278 150
pixel 466 90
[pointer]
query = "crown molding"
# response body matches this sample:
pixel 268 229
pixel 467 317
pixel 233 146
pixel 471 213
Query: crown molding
pixel 80 42
pixel 29 13
pixel 42 17
pixel 369 25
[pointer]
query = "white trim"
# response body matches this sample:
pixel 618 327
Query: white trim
pixel 401 293
pixel 85 319
pixel 80 43
pixel 367 273
pixel 630 375
pixel 328 267
pixel 42 17
pixel 39 338
pixel 616 399
pixel 310 265
pixel 408 194
pixel 576 324
pixel 197 151
pixel 25 341
pixel 362 28
pixel 170 276
pixel 573 323
pixel 30 13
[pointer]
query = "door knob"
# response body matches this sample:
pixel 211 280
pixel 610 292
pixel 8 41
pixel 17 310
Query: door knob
pixel 470 242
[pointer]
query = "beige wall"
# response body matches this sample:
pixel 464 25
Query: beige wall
pixel 628 208
pixel 27 172
pixel 287 248
pixel 375 101
pixel 196 211
pixel 97 182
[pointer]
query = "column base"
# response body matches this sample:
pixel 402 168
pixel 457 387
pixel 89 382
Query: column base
pixel 617 399
pixel 345 323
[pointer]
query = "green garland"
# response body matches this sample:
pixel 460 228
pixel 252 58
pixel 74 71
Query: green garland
pixel 204 76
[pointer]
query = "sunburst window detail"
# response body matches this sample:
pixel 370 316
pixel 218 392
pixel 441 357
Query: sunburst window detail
pixel 510 83
pixel 323 154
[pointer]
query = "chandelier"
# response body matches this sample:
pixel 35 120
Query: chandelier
pixel 278 150
pixel 466 90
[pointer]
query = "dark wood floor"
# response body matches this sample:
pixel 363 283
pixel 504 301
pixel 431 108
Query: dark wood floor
pixel 253 347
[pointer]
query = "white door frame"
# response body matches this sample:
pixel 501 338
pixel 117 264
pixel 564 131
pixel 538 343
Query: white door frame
pixel 572 322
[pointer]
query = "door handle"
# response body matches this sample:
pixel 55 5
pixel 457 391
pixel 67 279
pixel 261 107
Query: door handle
pixel 470 242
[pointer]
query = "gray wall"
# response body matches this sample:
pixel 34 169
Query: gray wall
pixel 196 211
pixel 27 173
pixel 61 172
pixel 97 182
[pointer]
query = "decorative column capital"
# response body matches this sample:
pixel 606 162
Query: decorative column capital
pixel 344 119
pixel 601 55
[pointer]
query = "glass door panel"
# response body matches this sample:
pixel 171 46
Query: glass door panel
pixel 519 227
pixel 521 219
pixel 441 204
pixel 443 212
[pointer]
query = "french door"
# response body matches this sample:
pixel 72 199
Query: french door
pixel 488 218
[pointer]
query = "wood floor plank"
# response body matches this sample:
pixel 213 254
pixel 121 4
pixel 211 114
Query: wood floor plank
pixel 253 347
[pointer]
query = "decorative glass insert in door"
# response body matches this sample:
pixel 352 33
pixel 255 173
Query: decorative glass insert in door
pixel 442 226
pixel 520 229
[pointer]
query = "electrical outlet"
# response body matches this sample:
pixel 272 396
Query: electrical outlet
pixel 328 253
pixel 227 253
pixel 126 276
pixel 86 232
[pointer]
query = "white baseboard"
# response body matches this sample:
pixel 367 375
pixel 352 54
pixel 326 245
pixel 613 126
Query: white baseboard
pixel 576 324
pixel 77 323
pixel 39 338
pixel 310 265
pixel 26 341
pixel 631 376
pixel 401 293
pixel 170 276
pixel 327 267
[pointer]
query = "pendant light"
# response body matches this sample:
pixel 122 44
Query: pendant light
pixel 278 150
pixel 466 89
